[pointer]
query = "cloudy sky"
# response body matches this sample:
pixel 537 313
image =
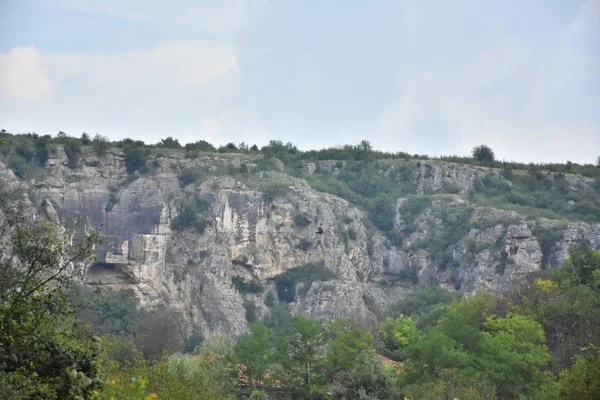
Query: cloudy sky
pixel 425 76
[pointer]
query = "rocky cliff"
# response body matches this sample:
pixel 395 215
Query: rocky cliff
pixel 252 226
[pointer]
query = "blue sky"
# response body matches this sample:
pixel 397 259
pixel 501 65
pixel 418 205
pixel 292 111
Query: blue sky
pixel 420 76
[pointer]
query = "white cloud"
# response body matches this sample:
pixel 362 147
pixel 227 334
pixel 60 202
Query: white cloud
pixel 192 62
pixel 147 94
pixel 21 77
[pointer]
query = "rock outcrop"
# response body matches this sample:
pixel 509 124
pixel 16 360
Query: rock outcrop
pixel 253 226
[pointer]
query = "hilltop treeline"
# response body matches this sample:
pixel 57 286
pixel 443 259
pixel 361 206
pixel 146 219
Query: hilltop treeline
pixel 30 147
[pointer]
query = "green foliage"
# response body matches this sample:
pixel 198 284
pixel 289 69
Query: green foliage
pixel 250 287
pixel 538 193
pixel 580 382
pixel 351 233
pixel 188 176
pixel 100 144
pixel 169 143
pixel 85 139
pixel 301 221
pixel 200 146
pixel 453 384
pixel 113 198
pixel 270 299
pixel 421 302
pixel 135 159
pixel 192 214
pixel 582 263
pixel 410 210
pixel 483 154
pixel 394 335
pixel 286 282
pixel 253 355
pixel 110 312
pixel 275 187
pixel 305 245
pixel 73 150
pixel 301 353
pixel 44 353
pixel 250 308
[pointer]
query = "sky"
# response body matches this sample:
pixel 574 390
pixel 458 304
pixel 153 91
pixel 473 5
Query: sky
pixel 419 76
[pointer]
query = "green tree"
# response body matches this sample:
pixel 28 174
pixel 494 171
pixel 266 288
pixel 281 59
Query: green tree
pixel 85 139
pixel 514 355
pixel 395 334
pixel 580 382
pixel 110 312
pixel 72 148
pixel 169 143
pixel 346 342
pixel 252 356
pixel 366 379
pixel 582 262
pixel 301 352
pixel 100 144
pixel 483 154
pixel 44 354
pixel 135 158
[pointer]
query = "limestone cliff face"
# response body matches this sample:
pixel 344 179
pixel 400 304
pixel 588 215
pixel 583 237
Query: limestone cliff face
pixel 256 237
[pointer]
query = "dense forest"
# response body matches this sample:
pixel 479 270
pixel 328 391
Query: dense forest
pixel 60 340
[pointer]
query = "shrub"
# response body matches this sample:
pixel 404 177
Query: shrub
pixel 200 145
pixel 43 148
pixel 301 221
pixel 250 311
pixel 483 154
pixel 25 150
pixel 169 143
pixel 192 215
pixel 100 144
pixel 351 233
pixel 135 159
pixel 269 299
pixel 275 187
pixel 286 282
pixel 251 287
pixel 85 139
pixel 304 245
pixel 188 176
pixel 72 150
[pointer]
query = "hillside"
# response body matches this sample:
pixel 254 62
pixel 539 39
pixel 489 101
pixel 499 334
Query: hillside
pixel 226 235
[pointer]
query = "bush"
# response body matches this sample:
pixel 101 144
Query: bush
pixel 100 144
pixel 192 215
pixel 275 187
pixel 200 145
pixel 351 233
pixel 483 154
pixel 270 299
pixel 250 311
pixel 169 143
pixel 43 148
pixel 251 287
pixel 85 139
pixel 286 282
pixel 188 176
pixel 301 221
pixel 135 159
pixel 72 150
pixel 304 245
